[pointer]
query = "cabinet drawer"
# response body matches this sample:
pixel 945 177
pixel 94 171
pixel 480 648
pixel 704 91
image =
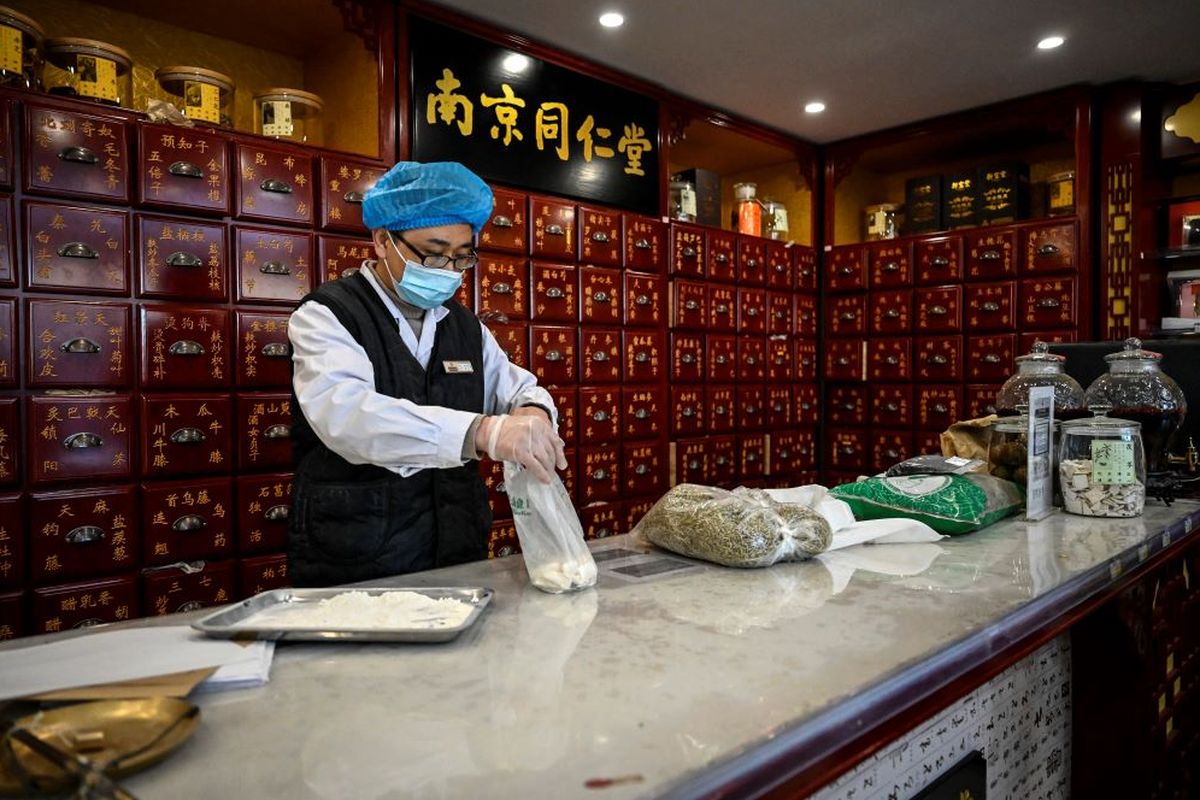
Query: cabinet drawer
pixel 847 449
pixel 847 406
pixel 991 255
pixel 719 402
pixel 781 313
pixel 645 244
pixel 503 286
pixel 781 360
pixel 185 169
pixel 989 307
pixel 688 305
pixel 752 311
pixel 687 410
pixel 938 260
pixel 645 299
pixel 273 266
pixel 566 400
pixel 497 492
pixel 82 534
pixel 938 407
pixel 554 292
pixel 601 520
pixel 600 295
pixel 889 447
pixel 751 407
pixel 503 541
pixel 82 605
pixel 846 269
pixel 805 266
pixel 343 184
pixel 844 360
pixel 11 444
pixel 341 257
pixel 847 315
pixel 77 155
pixel 990 358
pixel 186 434
pixel 263 353
pixel 891 312
pixel 568 475
pixel 14 531
pixel 74 438
pixel 722 256
pixel 890 264
pixel 554 353
pixel 513 339
pixel 1049 248
pixel 939 358
pixel 783 453
pixel 508 229
pixel 892 405
pixel 599 474
pixel 687 356
pixel 600 355
pixel 981 399
pixel 939 310
pixel 8 250
pixel 274 184
pixel 1047 303
pixel 634 510
pixel 76 249
pixel 465 296
pixel 722 460
pixel 645 469
pixel 262 574
pixel 644 412
pixel 173 590
pixel 6 143
pixel 752 261
pixel 187 520
pixel 807 409
pixel 752 358
pixel 722 358
pixel 264 431
pixel 184 347
pixel 890 359
pixel 687 251
pixel 180 259
pixel 644 352
pixel 8 342
pixel 752 457
pixel 690 462
pixel 553 229
pixel 780 270
pixel 599 236
pixel 599 414
pixel 263 505
pixel 78 344
pixel 805 315
pixel 805 359
pixel 721 308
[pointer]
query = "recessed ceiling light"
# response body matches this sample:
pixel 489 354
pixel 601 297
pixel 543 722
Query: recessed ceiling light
pixel 515 62
pixel 612 19
pixel 815 107
pixel 1051 42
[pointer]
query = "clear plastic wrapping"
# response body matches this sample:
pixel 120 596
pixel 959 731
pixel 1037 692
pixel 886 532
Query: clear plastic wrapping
pixel 556 556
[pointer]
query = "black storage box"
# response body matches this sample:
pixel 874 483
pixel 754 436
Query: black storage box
pixel 923 204
pixel 1003 191
pixel 708 194
pixel 960 200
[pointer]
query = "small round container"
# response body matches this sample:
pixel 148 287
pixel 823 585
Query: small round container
pixel 289 114
pixel 1060 194
pixel 90 70
pixel 775 220
pixel 683 201
pixel 203 94
pixel 1041 368
pixel 21 40
pixel 1102 466
pixel 881 221
pixel 747 210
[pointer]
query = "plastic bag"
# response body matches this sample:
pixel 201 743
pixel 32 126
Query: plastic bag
pixel 951 504
pixel 556 556
pixel 742 528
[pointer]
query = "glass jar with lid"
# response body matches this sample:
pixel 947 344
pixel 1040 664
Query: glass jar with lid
pixel 204 94
pixel 1102 466
pixel 1136 389
pixel 775 219
pixel 1041 368
pixel 21 40
pixel 1008 447
pixel 881 221
pixel 683 201
pixel 89 69
pixel 747 210
pixel 289 114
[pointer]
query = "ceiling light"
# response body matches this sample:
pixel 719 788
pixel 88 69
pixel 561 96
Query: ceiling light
pixel 815 107
pixel 1136 115
pixel 612 19
pixel 1051 42
pixel 515 62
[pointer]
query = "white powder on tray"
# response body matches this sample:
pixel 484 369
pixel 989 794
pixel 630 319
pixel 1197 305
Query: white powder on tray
pixel 361 610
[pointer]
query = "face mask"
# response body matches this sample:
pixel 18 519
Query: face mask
pixel 424 287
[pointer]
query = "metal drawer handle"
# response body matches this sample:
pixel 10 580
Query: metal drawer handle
pixel 843 362
pixel 751 360
pixel 502 288
pixel 188 436
pixel 555 293
pixel 276 513
pixel 82 440
pixel 185 169
pixel 780 314
pixel 891 266
pixel 752 311
pixel 892 313
pixel 991 255
pixel 722 461
pixel 688 358
pixel 276 186
pixel 848 449
pixel 751 409
pixel 752 263
pixel 600 416
pixel 785 454
pixel 689 252
pixel 556 230
pixel 603 533
pixel 892 407
pixel 641 469
pixel 278 431
pixel 892 453
pixel 601 296
pixel 1048 250
pixel 599 474
pixel 941 408
pixel 693 464
pixel 275 268
pixel 938 311
pixel 642 244
pixel 939 261
pixel 502 221
pixel 722 308
pixel 353 196
pixel 642 300
pixel 189 522
pixel 85 534
pixel 990 307
pixel 892 360
pixel 77 250
pixel 642 413
pixel 600 236
pixel 806 406
pixel 780 359
pixel 848 316
pixel 600 355
pixel 182 259
pixel 554 355
pixel 991 358
pixel 688 411
pixel 186 347
pixel 79 155
pixel 1049 302
pixel 721 359
pixel 641 356
pixel 721 258
pixel 845 270
pixel 752 457
pixel 275 350
pixel 781 268
pixel 849 406
pixel 720 410
pixel 81 345
pixel 691 305
pixel 938 358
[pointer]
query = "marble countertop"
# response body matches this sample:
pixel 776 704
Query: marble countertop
pixel 683 683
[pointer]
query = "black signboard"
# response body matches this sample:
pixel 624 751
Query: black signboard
pixel 517 120
pixel 966 780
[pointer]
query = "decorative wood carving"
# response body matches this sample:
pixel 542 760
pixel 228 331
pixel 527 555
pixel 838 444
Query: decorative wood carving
pixel 677 122
pixel 361 18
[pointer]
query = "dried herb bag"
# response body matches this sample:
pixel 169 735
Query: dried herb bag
pixel 951 504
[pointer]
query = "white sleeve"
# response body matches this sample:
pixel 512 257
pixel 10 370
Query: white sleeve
pixel 506 385
pixel 335 387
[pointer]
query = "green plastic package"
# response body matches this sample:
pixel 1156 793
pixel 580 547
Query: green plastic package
pixel 952 504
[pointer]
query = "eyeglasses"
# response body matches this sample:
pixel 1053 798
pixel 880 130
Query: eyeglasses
pixel 436 261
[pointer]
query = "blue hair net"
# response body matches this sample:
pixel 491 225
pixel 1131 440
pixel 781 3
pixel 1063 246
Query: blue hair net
pixel 413 195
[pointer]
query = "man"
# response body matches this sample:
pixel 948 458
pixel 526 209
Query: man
pixel 398 390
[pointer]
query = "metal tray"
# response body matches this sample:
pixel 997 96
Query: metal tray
pixel 229 622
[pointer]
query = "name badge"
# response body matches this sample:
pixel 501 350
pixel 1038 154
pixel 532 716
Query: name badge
pixel 458 367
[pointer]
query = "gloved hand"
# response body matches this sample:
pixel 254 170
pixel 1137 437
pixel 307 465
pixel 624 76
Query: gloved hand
pixel 528 440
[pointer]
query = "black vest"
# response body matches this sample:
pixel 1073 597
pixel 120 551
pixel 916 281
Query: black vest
pixel 354 522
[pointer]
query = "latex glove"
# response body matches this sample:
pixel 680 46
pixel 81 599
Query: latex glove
pixel 528 440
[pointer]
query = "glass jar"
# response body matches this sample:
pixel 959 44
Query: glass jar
pixel 882 221
pixel 203 94
pixel 1102 466
pixel 1008 448
pixel 1060 194
pixel 21 41
pixel 89 69
pixel 683 201
pixel 289 114
pixel 775 219
pixel 1041 368
pixel 747 209
pixel 1136 389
